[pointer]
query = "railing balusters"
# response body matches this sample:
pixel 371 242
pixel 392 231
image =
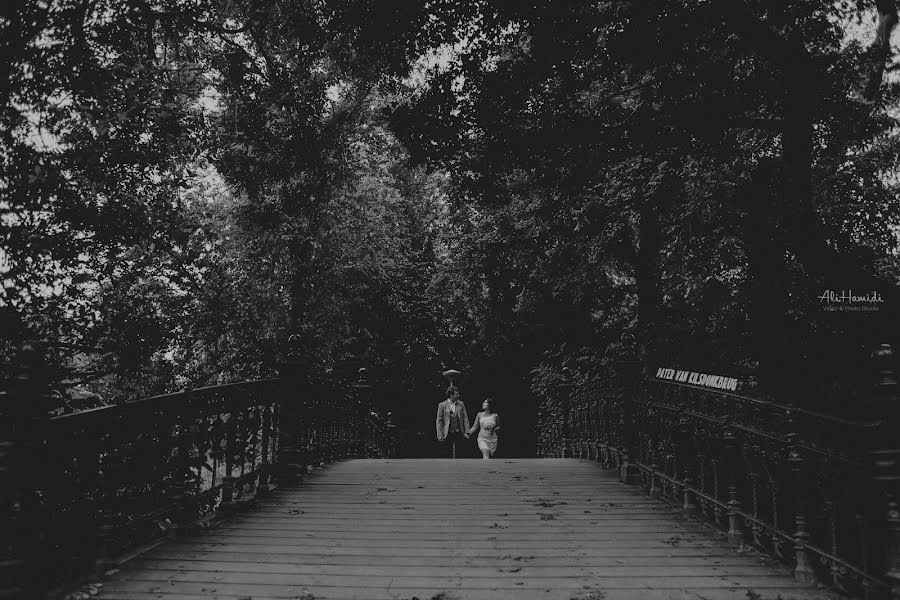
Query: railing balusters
pixel 229 443
pixel 23 432
pixel 731 458
pixel 183 477
pixel 884 406
pixel 803 569
pixel 265 458
pixel 110 466
pixel 127 475
pixel 686 450
pixel 787 480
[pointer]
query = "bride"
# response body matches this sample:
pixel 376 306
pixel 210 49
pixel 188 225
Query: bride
pixel 489 423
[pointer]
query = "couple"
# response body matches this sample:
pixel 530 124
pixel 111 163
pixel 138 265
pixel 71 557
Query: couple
pixel 453 424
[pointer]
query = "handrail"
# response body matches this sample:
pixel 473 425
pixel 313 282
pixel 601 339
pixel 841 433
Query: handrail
pixel 774 437
pixel 80 489
pixel 171 396
pixel 819 492
pixel 758 401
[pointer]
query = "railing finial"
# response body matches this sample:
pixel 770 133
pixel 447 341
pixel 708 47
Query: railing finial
pixel 883 357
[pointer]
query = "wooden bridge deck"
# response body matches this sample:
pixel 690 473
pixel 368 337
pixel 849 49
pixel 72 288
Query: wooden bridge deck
pixel 464 529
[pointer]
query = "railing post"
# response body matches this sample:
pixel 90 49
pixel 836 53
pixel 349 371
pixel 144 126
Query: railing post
pixel 265 468
pixel 884 410
pixel 10 563
pixel 183 482
pixel 655 490
pixel 230 428
pixel 294 383
pixel 391 446
pixel 25 430
pixel 803 570
pixel 730 460
pixel 683 437
pixel 629 373
pixel 108 479
pixel 565 399
pixel 363 394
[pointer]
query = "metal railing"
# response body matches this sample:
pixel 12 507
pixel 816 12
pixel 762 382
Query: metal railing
pixel 82 490
pixel 818 492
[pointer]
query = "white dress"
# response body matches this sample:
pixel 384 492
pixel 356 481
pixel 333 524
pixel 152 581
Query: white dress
pixel 487 437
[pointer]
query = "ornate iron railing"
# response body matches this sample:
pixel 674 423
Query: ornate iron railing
pixel 818 492
pixel 84 489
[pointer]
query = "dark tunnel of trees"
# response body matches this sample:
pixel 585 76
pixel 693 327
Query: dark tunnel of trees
pixel 510 189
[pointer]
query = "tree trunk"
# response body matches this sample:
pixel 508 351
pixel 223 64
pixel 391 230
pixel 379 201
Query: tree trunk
pixel 765 244
pixel 647 272
pixel 880 49
pixel 827 268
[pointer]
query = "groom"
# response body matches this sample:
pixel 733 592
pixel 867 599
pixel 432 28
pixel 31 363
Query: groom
pixel 452 421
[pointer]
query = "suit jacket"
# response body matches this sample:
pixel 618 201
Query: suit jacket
pixel 443 419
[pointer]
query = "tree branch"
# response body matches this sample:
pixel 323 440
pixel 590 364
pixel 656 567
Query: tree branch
pixel 809 239
pixel 880 48
pixel 767 124
pixel 764 40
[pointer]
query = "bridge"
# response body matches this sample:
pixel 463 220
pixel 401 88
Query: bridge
pixel 288 488
pixel 526 528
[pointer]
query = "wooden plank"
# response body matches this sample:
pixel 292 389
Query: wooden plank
pixel 411 516
pixel 486 560
pixel 548 524
pixel 348 593
pixel 550 539
pixel 464 588
pixel 510 569
pixel 474 529
pixel 645 549
pixel 474 544
pixel 147 581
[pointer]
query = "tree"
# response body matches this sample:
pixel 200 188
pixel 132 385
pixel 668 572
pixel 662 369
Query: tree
pixel 600 116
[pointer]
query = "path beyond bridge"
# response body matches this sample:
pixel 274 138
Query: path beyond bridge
pixel 463 529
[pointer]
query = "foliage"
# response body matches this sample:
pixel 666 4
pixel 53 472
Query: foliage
pixel 493 186
pixel 580 134
pixel 196 181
